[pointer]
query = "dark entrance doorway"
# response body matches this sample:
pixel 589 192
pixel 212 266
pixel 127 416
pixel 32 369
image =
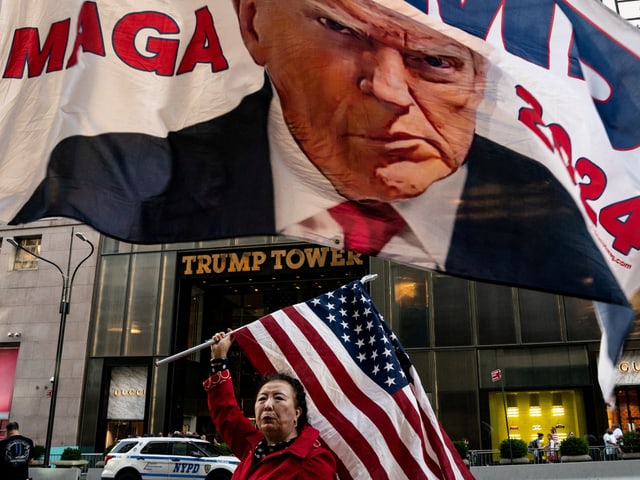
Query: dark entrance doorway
pixel 224 289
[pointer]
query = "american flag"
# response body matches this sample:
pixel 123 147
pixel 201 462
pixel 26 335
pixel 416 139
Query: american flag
pixel 363 393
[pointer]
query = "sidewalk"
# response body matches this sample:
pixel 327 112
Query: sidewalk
pixel 623 469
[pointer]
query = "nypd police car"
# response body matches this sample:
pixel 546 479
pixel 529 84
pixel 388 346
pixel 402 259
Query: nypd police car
pixel 167 458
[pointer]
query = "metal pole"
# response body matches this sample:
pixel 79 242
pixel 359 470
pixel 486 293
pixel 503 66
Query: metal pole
pixel 189 351
pixel 506 418
pixel 64 309
pixel 65 299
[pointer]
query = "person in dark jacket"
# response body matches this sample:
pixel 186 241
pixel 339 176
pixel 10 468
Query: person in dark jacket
pixel 16 453
pixel 282 444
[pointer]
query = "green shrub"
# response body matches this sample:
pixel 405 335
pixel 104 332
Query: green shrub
pixel 518 448
pixel 71 453
pixel 224 448
pixel 631 442
pixel 573 446
pixel 38 451
pixel 462 448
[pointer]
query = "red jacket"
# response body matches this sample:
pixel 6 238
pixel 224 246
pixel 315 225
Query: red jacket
pixel 304 459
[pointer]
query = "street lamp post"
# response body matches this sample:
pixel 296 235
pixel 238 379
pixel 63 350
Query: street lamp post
pixel 65 299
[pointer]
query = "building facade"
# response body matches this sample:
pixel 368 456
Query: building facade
pixel 30 319
pixel 154 301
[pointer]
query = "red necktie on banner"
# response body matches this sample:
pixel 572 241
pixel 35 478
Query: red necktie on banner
pixel 367 227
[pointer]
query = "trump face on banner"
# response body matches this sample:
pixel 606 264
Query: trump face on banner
pixel 382 105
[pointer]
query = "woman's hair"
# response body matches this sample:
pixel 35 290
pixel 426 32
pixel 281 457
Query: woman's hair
pixel 300 396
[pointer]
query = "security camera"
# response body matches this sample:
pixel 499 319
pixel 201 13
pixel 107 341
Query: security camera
pixel 52 379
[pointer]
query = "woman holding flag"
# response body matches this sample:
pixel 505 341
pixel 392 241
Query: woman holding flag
pixel 282 444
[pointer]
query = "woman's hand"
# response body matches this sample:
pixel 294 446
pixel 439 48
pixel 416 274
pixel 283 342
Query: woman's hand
pixel 223 342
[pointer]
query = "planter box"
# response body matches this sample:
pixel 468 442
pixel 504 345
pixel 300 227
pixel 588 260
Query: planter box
pixel 70 463
pixel 520 460
pixel 575 458
pixel 630 455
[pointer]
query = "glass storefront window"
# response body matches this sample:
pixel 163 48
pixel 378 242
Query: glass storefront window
pixel 110 245
pixel 581 320
pixel 539 317
pixel 165 303
pixel 531 412
pixel 110 301
pixel 627 410
pixel 142 305
pixel 457 383
pixel 451 311
pixel 535 367
pixel 496 322
pixel 423 361
pixel 146 248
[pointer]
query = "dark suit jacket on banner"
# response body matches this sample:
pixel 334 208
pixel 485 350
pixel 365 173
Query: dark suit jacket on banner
pixel 516 224
pixel 210 180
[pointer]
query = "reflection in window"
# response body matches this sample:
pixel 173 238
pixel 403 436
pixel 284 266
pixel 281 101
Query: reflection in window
pixel 410 307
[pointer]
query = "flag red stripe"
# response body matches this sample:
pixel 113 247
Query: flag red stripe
pixel 417 422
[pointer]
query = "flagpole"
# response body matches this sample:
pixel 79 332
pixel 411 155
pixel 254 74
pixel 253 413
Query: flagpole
pixel 191 350
pixel 369 278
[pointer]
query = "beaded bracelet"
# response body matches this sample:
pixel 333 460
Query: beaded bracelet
pixel 217 365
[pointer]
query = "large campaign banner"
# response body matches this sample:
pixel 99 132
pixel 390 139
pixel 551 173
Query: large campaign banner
pixel 491 139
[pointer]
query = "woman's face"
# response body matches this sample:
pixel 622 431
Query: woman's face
pixel 276 411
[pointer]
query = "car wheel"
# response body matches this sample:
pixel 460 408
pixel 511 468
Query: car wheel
pixel 128 475
pixel 219 475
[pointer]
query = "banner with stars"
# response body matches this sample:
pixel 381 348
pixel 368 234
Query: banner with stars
pixel 363 393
